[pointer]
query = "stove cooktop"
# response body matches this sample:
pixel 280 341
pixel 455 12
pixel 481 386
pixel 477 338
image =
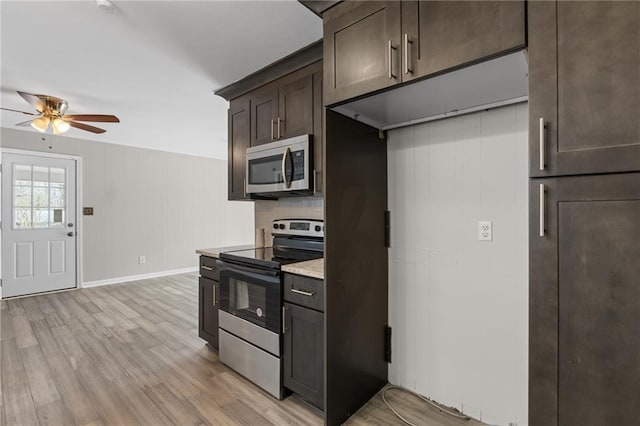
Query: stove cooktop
pixel 269 257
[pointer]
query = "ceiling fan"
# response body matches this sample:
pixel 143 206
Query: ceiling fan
pixel 51 111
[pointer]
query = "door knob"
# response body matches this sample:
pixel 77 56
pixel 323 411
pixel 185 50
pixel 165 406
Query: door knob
pixel 70 234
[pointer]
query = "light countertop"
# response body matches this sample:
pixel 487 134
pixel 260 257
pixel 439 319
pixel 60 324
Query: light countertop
pixel 310 268
pixel 215 252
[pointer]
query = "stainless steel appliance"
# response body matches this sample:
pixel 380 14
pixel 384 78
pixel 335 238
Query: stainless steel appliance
pixel 250 314
pixel 281 168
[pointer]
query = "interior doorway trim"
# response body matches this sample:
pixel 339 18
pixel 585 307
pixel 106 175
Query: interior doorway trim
pixel 79 225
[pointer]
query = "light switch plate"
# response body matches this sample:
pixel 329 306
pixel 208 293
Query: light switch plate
pixel 485 231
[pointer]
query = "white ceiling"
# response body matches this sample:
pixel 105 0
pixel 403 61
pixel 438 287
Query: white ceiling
pixel 154 64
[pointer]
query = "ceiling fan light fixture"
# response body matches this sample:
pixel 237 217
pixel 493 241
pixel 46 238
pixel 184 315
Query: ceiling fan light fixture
pixel 59 126
pixel 40 124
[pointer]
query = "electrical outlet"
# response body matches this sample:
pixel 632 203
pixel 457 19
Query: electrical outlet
pixel 142 259
pixel 485 231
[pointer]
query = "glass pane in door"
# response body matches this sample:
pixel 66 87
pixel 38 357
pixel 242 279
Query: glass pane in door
pixel 38 197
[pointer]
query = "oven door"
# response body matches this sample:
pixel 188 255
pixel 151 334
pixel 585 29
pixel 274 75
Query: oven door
pixel 251 294
pixel 280 166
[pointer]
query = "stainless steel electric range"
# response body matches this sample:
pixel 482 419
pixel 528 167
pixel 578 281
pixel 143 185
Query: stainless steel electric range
pixel 250 314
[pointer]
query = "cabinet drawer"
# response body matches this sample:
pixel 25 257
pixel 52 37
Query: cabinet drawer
pixel 303 291
pixel 208 268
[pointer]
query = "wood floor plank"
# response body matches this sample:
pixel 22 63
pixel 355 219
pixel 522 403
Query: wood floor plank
pixel 71 391
pixel 54 414
pixel 178 410
pixel 43 388
pixel 22 329
pixel 16 395
pixel 75 354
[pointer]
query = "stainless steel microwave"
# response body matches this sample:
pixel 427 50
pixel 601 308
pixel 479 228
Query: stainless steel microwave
pixel 281 168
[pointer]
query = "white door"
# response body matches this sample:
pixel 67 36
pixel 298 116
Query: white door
pixel 38 224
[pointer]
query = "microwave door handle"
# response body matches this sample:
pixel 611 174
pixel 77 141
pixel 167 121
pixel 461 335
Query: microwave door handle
pixel 287 182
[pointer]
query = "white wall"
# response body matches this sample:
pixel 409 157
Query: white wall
pixel 459 306
pixel 148 203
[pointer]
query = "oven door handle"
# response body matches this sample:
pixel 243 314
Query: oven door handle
pixel 244 270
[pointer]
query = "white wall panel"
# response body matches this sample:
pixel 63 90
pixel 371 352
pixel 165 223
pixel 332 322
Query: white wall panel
pixel 459 306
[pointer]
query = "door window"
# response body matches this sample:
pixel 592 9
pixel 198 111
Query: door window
pixel 38 197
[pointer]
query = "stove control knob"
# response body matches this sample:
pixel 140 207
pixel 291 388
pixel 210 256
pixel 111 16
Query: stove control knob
pixel 275 226
pixel 318 228
pixel 282 226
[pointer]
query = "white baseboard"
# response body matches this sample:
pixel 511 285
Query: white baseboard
pixel 129 278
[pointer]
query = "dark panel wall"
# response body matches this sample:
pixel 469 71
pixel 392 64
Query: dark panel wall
pixel 356 265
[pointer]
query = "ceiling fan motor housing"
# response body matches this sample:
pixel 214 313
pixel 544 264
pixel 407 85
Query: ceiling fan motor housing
pixel 53 106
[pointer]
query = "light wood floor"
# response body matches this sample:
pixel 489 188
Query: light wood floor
pixel 129 354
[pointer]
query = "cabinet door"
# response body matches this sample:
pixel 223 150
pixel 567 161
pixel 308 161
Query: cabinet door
pixel 303 353
pixel 584 334
pixel 584 84
pixel 357 57
pixel 439 35
pixel 239 134
pixel 295 108
pixel 208 312
pixel 264 113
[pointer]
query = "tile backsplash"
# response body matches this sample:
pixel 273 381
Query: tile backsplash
pixel 286 208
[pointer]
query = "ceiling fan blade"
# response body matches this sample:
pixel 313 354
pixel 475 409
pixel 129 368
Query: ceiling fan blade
pixel 103 118
pixel 34 100
pixel 24 124
pixel 16 110
pixel 86 127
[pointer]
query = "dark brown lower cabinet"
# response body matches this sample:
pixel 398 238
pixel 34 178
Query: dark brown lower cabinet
pixel 208 296
pixel 208 317
pixel 303 353
pixel 584 348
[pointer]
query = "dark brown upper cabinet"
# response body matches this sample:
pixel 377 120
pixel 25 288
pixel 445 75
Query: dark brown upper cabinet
pixel 441 35
pixel 264 112
pixel 584 314
pixel 584 96
pixel 295 113
pixel 370 46
pixel 361 45
pixel 282 110
pixel 239 135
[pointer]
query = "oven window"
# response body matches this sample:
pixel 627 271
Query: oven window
pixel 266 170
pixel 248 301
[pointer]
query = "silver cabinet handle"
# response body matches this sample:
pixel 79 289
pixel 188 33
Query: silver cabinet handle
pixel 284 320
pixel 214 301
pixel 542 127
pixel 207 268
pixel 279 127
pixel 407 53
pixel 542 209
pixel 302 292
pixel 272 129
pixel 389 49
